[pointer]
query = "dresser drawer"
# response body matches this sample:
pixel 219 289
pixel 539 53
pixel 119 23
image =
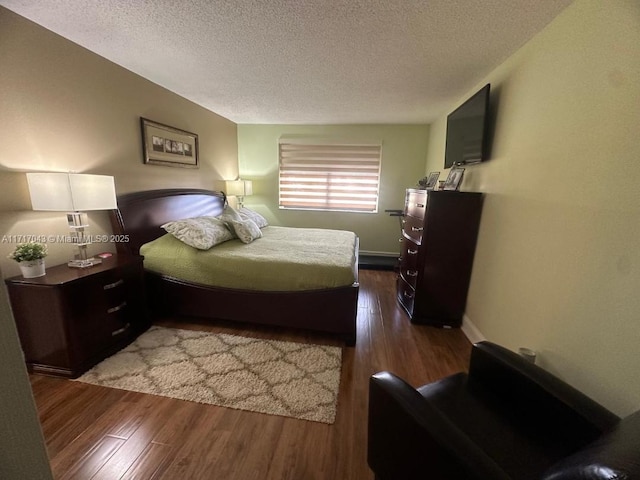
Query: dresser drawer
pixel 412 229
pixel 416 203
pixel 406 295
pixel 409 262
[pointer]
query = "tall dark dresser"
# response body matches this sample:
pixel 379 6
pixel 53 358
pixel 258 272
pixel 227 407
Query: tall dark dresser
pixel 439 231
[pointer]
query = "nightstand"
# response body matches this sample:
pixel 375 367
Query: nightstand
pixel 72 318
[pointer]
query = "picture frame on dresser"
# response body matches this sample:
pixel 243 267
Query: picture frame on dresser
pixel 454 179
pixel 432 181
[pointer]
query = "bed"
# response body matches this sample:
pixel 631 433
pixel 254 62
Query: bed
pixel 139 218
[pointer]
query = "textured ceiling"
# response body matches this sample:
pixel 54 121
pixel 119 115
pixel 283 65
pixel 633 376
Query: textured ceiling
pixel 304 61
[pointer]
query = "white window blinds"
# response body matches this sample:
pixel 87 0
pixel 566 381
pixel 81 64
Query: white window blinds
pixel 318 175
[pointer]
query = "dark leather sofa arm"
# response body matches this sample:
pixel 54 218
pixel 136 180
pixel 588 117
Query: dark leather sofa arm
pixel 410 439
pixel 530 389
pixel 614 456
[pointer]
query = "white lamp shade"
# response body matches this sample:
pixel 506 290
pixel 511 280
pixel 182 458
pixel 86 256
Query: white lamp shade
pixel 93 192
pixel 238 188
pixel 50 191
pixel 248 187
pixel 234 187
pixel 68 192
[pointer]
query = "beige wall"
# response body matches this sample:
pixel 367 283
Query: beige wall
pixel 557 265
pixel 63 108
pixel 404 150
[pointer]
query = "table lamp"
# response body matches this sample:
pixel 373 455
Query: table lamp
pixel 240 189
pixel 74 193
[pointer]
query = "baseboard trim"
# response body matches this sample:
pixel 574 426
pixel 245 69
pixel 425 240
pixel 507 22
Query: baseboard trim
pixel 373 253
pixel 377 262
pixel 471 331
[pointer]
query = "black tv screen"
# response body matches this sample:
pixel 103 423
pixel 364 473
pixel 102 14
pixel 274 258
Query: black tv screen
pixel 467 131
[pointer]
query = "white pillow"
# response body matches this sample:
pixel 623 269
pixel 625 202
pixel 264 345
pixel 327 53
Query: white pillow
pixel 246 230
pixel 255 216
pixel 200 232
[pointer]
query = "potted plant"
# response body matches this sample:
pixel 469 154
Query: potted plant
pixel 30 257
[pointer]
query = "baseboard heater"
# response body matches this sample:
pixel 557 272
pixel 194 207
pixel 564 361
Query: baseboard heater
pixel 377 261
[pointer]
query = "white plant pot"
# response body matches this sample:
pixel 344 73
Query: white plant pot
pixel 32 268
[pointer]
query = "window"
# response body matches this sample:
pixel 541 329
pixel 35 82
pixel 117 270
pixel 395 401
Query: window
pixel 325 175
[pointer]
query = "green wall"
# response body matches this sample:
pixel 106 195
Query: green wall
pixel 557 265
pixel 404 150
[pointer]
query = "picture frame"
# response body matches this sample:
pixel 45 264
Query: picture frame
pixel 454 179
pixel 168 146
pixel 432 180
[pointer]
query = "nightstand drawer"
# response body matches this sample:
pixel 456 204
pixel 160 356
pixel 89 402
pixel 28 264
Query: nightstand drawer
pixel 116 289
pixel 98 333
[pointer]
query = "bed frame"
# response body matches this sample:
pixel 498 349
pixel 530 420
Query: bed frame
pixel 139 216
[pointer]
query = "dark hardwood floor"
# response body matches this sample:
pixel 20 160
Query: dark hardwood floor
pixel 95 432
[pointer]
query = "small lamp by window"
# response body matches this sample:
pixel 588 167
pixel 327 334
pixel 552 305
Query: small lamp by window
pixel 240 189
pixel 73 193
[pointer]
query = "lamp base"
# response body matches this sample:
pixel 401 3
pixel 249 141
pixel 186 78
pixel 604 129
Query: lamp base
pixel 89 262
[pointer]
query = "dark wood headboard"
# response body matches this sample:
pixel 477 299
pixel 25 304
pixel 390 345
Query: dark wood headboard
pixel 140 214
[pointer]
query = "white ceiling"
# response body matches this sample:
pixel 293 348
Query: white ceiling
pixel 303 61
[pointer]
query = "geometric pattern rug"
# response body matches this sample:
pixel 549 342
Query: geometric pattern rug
pixel 268 376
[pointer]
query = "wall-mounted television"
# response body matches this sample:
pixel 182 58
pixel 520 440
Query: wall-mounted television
pixel 467 136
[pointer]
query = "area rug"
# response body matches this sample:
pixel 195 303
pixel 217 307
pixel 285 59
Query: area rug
pixel 275 377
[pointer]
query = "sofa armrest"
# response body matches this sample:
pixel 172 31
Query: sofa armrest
pixel 410 439
pixel 541 397
pixel 615 455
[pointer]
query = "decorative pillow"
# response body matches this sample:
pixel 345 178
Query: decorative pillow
pixel 200 232
pixel 230 213
pixel 255 216
pixel 246 230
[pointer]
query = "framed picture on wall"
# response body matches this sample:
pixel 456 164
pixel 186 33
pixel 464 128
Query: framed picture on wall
pixel 454 179
pixel 169 146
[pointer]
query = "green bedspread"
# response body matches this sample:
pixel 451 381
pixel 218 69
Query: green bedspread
pixel 284 259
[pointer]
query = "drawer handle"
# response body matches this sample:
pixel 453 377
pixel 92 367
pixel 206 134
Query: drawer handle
pixel 120 330
pixel 412 273
pixel 119 307
pixel 408 295
pixel 417 229
pixel 400 240
pixel 412 252
pixel 420 205
pixel 109 286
